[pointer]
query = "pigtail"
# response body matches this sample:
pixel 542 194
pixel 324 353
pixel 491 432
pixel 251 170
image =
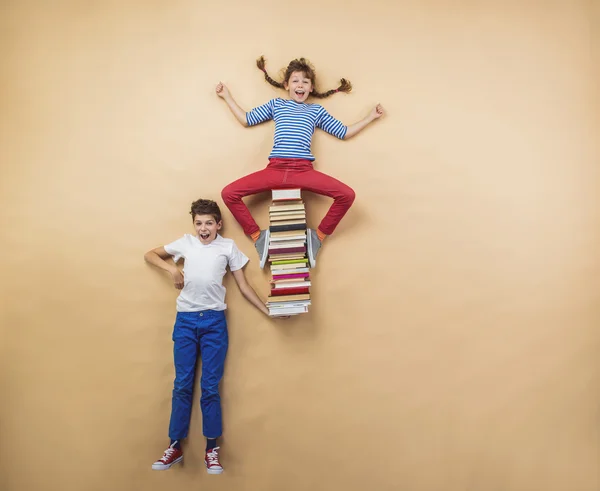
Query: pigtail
pixel 345 86
pixel 302 65
pixel 260 63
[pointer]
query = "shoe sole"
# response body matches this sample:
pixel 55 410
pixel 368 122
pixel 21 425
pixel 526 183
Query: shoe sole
pixel 309 247
pixel 265 253
pixel 163 467
pixel 214 471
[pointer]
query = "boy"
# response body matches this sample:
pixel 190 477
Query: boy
pixel 200 326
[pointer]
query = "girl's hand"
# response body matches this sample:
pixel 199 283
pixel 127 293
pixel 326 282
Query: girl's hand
pixel 222 91
pixel 377 111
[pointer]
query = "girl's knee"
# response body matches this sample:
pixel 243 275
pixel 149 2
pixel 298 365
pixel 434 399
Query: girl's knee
pixel 349 195
pixel 226 193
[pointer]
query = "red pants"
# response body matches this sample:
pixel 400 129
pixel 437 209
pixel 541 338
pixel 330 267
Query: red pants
pixel 286 174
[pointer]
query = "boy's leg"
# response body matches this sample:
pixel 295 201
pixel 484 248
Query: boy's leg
pixel 185 355
pixel 214 341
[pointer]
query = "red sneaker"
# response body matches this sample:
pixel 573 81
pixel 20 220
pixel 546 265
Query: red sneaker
pixel 211 459
pixel 171 456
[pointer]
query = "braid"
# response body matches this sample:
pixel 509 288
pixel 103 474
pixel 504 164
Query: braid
pixel 345 86
pixel 260 63
pixel 302 65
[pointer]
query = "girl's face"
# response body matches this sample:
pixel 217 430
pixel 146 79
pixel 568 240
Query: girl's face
pixel 299 86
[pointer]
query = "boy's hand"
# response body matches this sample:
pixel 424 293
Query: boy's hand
pixel 222 91
pixel 377 111
pixel 177 278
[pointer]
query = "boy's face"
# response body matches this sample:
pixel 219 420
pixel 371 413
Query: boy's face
pixel 206 228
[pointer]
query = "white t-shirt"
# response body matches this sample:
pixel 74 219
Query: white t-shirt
pixel 204 269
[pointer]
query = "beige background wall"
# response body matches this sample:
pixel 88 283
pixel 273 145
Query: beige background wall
pixel 453 339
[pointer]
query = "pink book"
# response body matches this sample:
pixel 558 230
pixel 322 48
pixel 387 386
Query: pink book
pixel 286 250
pixel 299 276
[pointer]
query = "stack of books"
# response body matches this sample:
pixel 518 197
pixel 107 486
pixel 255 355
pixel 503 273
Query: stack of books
pixel 288 258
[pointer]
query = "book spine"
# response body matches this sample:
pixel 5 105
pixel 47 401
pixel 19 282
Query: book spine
pixel 289 291
pixel 282 228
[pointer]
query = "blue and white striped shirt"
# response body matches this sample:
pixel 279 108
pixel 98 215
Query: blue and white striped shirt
pixel 295 125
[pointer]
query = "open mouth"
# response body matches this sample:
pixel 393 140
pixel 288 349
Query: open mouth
pixel 300 93
pixel 204 236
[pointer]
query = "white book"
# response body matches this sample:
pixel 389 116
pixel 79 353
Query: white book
pixel 284 305
pixel 276 272
pixel 291 284
pixel 285 213
pixel 283 245
pixel 287 312
pixel 289 237
pixel 286 194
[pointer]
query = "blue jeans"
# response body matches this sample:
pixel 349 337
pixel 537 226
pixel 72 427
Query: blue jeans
pixel 205 334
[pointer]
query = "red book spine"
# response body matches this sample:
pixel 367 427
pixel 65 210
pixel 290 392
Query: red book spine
pixel 289 291
pixel 286 250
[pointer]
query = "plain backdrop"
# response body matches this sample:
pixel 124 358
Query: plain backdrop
pixel 452 343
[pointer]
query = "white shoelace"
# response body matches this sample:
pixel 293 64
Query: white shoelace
pixel 213 457
pixel 168 452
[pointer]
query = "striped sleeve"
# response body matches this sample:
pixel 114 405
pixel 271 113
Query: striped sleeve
pixel 328 123
pixel 260 114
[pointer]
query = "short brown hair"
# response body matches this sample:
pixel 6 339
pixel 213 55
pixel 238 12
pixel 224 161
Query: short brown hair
pixel 206 207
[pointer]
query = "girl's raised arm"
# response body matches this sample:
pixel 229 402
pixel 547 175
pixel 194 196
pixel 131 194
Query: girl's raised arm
pixel 355 128
pixel 238 112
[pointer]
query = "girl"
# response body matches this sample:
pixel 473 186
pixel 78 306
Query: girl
pixel 291 161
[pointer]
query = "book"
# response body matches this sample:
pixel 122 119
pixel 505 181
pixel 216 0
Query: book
pixel 287 254
pixel 292 276
pixel 280 269
pixel 277 274
pixel 284 285
pixel 286 218
pixel 285 228
pixel 286 194
pixel 286 250
pixel 275 292
pixel 286 243
pixel 299 237
pixel 287 205
pixel 293 261
pixel 286 298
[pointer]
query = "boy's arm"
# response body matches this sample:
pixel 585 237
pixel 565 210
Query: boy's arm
pixel 157 258
pixel 376 113
pixel 248 291
pixel 238 112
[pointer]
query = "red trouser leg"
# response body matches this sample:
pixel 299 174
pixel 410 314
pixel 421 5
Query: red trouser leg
pixel 285 174
pixel 319 183
pixel 257 182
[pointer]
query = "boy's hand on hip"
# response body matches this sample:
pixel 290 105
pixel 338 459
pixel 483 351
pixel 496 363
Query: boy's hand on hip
pixel 177 278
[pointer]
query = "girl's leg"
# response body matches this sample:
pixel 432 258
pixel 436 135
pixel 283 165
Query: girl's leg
pixel 319 183
pixel 343 197
pixel 254 183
